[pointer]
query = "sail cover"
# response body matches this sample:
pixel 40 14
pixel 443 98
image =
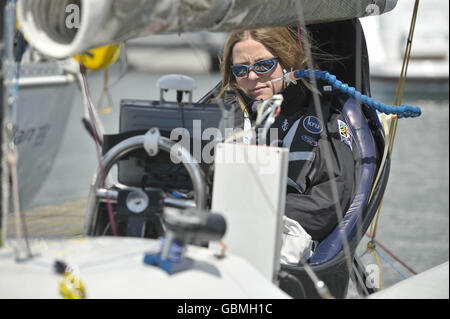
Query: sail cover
pixel 61 28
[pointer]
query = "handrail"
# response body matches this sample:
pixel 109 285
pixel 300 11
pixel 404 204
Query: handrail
pixel 124 148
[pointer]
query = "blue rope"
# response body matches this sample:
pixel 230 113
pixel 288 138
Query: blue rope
pixel 364 253
pixel 391 264
pixel 400 111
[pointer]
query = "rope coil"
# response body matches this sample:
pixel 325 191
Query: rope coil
pixel 71 286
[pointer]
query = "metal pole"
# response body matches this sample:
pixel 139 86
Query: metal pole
pixel 2 68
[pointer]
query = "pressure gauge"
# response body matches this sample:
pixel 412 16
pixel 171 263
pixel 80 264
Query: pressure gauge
pixel 137 201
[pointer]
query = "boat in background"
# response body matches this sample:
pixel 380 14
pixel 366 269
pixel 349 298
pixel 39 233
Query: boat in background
pixel 42 89
pixel 43 109
pixel 387 34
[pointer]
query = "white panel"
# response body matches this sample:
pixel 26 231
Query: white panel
pixel 249 190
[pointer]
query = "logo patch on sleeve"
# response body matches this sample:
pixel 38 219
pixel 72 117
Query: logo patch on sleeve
pixel 308 139
pixel 312 124
pixel 344 132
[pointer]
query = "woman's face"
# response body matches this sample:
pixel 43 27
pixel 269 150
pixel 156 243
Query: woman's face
pixel 257 86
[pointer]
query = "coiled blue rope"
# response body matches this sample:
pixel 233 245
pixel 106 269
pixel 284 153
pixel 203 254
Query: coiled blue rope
pixel 400 111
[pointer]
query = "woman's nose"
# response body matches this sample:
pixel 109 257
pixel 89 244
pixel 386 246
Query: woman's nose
pixel 252 75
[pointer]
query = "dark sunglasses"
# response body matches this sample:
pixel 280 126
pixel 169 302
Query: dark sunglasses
pixel 259 67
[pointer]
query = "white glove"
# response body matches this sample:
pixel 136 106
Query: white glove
pixel 296 242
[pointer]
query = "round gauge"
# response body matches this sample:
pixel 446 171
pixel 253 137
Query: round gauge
pixel 137 201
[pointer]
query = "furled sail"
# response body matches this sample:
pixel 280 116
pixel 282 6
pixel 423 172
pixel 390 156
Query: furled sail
pixel 60 28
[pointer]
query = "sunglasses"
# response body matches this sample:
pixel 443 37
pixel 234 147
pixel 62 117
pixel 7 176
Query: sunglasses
pixel 259 67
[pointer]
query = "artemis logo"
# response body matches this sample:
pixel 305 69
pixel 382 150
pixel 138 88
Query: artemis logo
pixel 73 17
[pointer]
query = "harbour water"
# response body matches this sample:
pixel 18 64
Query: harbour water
pixel 414 220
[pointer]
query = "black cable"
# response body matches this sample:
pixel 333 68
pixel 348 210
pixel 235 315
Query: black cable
pixel 90 129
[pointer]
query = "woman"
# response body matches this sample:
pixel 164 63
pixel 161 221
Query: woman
pixel 317 188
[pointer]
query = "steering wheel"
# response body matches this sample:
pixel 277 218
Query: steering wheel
pixel 137 200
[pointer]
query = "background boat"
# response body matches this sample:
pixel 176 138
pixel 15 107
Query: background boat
pixel 43 109
pixel 386 41
pixel 42 90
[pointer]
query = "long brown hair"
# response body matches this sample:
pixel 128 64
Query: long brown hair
pixel 280 41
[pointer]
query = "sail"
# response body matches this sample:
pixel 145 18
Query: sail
pixel 61 28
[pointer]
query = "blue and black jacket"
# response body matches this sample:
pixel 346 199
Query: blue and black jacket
pixel 311 140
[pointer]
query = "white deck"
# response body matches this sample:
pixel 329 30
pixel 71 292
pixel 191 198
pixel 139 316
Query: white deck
pixel 431 284
pixel 114 268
